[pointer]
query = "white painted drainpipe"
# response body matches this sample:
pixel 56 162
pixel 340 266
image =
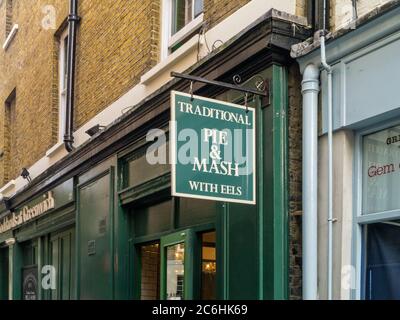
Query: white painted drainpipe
pixel 310 91
pixel 328 69
pixel 331 220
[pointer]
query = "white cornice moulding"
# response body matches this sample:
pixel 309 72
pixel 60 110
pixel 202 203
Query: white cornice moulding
pixel 8 187
pixel 55 149
pixel 172 59
pixel 10 37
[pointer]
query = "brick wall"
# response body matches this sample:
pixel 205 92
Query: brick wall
pixel 301 8
pixel 217 10
pixel 117 42
pixel 295 182
pixel 27 65
pixel 341 11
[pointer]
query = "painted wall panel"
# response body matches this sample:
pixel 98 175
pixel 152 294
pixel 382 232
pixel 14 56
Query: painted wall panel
pixel 95 254
pixel 372 84
pixel 4 274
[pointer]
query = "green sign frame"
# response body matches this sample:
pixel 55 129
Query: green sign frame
pixel 207 140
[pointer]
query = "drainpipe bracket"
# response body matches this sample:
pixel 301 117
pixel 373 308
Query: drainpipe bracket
pixel 74 17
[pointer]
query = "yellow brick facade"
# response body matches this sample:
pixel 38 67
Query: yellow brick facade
pixel 28 66
pixel 117 42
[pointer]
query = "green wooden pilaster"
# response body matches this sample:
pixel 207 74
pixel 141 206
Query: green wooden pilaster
pixel 274 203
pixel 123 247
pixel 15 271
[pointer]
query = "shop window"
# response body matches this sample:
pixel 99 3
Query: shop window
pixel 181 19
pixel 195 211
pixel 153 219
pixel 63 54
pixel 382 261
pixel 208 266
pixel 29 253
pixel 380 172
pixel 379 214
pixel 150 272
pixel 141 170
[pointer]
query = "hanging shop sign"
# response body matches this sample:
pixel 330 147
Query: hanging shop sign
pixel 39 206
pixel 212 149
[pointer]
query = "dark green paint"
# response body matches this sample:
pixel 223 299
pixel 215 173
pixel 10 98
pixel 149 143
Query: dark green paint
pixel 4 266
pixel 16 264
pixel 252 241
pixel 63 194
pixel 95 228
pixel 62 257
pixel 226 184
pixel 276 189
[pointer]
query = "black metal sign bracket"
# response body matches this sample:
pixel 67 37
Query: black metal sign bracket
pixel 261 86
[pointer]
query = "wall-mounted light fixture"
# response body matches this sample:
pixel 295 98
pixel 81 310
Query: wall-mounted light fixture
pixel 26 175
pixel 94 130
pixel 6 201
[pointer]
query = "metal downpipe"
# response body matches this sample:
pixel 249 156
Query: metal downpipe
pixel 331 220
pixel 73 20
pixel 310 91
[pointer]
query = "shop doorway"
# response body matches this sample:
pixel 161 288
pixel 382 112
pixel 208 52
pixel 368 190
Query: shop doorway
pixel 176 266
pixel 179 266
pixel 62 258
pixel 4 274
pixel 29 271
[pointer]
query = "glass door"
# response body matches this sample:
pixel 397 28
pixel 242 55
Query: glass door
pixel 176 266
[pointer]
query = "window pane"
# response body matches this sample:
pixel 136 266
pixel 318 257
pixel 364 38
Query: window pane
pixel 175 272
pixel 198 7
pixel 208 266
pixel 383 261
pixel 140 170
pixel 380 173
pixel 179 10
pixel 65 62
pixel 153 219
pixel 150 277
pixel 196 211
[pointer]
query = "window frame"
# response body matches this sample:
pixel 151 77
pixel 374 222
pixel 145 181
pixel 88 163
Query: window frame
pixel 62 82
pixel 360 220
pixel 169 40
